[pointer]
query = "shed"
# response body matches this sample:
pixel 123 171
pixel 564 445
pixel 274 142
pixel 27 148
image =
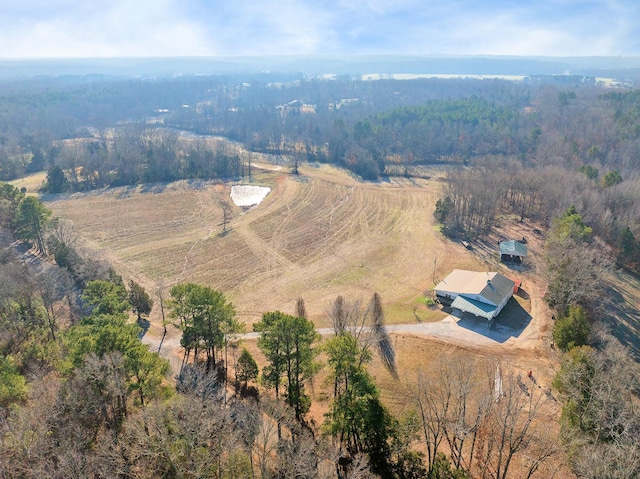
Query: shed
pixel 512 250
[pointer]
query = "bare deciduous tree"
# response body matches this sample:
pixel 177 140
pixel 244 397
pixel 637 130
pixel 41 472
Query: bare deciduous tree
pixel 226 215
pixel 54 285
pixel 483 430
pixel 505 432
pixel 161 295
pixel 301 310
pixel 576 273
pixel 365 324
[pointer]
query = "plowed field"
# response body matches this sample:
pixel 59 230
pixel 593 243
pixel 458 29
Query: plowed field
pixel 318 236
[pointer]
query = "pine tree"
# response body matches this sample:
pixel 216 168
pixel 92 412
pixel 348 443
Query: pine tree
pixel 141 302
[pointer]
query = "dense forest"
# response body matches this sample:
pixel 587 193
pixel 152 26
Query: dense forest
pixel 81 396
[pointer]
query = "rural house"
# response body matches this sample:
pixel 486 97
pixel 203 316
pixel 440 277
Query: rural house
pixel 482 294
pixel 512 250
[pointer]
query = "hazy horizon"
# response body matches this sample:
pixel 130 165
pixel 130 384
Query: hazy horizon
pixel 365 66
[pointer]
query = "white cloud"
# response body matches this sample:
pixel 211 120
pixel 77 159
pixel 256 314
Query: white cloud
pixel 124 28
pixel 60 28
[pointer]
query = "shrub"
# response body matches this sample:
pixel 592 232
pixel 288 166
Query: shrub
pixel 572 330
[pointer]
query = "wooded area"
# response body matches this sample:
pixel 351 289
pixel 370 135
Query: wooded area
pixel 81 396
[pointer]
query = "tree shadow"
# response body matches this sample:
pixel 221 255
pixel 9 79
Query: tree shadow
pixel 510 323
pixel 620 313
pixel 521 267
pixel 144 325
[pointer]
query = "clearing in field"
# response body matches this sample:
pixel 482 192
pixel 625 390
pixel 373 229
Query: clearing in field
pixel 248 195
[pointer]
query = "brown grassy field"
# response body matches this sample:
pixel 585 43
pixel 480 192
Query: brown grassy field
pixel 32 182
pixel 318 236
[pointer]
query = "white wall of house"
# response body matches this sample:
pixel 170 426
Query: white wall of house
pixel 446 294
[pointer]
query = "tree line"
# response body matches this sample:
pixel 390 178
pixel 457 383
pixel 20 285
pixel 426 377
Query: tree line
pixel 350 122
pixel 135 155
pixel 38 112
pixel 581 189
pixel 598 379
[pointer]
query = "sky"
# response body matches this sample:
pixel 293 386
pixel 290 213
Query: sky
pixel 170 28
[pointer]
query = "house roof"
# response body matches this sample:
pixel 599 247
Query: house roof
pixel 499 288
pixel 491 286
pixel 513 248
pixel 477 308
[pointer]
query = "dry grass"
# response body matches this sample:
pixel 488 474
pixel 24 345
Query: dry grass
pixel 318 236
pixel 418 355
pixel 32 182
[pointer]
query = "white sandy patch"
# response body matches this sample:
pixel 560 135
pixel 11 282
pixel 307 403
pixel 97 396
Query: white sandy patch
pixel 248 195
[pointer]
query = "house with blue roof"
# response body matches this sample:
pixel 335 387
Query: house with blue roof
pixel 482 294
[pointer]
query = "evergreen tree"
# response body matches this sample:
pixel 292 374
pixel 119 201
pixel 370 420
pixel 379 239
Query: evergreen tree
pixel 10 198
pixel 627 246
pixel 570 226
pixel 13 386
pixel 30 221
pixel 106 297
pixel 206 319
pixel 572 330
pixel 141 302
pixel 357 416
pixel 287 343
pixel 102 334
pixel 56 180
pixel 612 178
pixel 247 368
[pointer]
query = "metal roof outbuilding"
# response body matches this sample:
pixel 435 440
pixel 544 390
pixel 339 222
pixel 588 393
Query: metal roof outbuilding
pixel 513 248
